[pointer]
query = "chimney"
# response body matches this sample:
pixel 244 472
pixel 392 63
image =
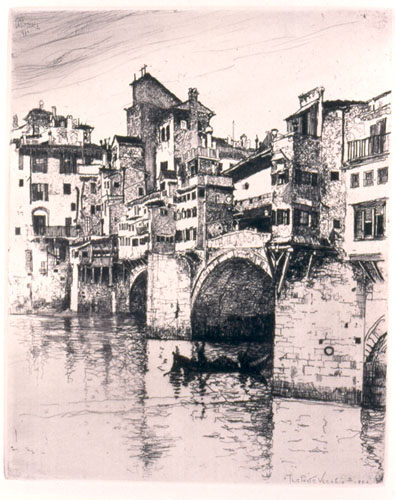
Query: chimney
pixel 256 142
pixel 54 111
pixel 274 132
pixel 193 115
pixel 41 104
pixel 69 121
pixel 193 95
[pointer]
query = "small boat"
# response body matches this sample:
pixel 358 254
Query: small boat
pixel 221 364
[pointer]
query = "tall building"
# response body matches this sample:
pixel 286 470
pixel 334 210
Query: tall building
pixel 48 154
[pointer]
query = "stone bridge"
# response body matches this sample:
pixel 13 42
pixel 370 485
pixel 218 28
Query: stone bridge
pixel 309 307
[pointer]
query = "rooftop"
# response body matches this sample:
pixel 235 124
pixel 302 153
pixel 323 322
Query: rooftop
pixel 125 139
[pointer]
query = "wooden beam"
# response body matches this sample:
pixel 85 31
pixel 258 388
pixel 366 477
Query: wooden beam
pixel 366 271
pixel 284 270
pixel 379 273
pixel 310 261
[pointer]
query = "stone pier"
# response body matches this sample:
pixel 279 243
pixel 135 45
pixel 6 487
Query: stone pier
pixel 169 295
pixel 318 341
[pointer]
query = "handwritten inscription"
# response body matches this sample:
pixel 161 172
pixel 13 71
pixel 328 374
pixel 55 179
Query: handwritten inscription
pixel 321 479
pixel 24 27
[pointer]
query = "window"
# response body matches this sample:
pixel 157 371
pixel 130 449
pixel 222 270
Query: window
pixel 194 195
pixel 301 218
pixel 246 185
pixel 73 207
pixel 304 177
pixel 66 188
pixel 20 182
pixel 194 169
pixel 20 166
pixel 188 214
pixel 163 166
pixel 369 221
pixel 183 124
pixel 68 164
pixel 314 219
pixel 280 217
pixel 116 185
pixel 93 188
pixel 368 178
pixel 283 177
pixel 194 211
pixel 39 192
pixel 40 164
pixel 17 231
pixel 201 193
pixel 354 180
pixel 336 224
pixel 135 242
pixel 98 208
pixel 334 175
pixel 162 186
pixel 141 191
pixel 43 267
pixel 305 123
pixel 382 175
pixel 163 211
pixel 167 133
pixel 93 209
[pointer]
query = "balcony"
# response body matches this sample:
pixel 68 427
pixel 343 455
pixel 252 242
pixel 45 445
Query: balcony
pixel 202 152
pixel 202 180
pixel 370 146
pixel 254 202
pixel 56 231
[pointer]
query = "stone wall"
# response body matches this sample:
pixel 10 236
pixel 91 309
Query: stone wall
pixel 318 347
pixel 333 192
pixel 94 298
pixel 46 282
pixel 169 296
pixel 131 158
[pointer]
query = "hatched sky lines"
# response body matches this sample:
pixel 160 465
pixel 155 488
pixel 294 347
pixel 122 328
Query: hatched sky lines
pixel 242 62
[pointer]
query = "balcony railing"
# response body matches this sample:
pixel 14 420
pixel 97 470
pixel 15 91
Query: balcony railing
pixel 370 146
pixel 56 231
pixel 199 151
pixel 254 202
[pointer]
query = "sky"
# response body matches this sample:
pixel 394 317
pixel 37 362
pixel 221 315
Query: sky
pixel 249 66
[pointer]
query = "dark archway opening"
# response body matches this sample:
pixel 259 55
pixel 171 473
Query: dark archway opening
pixel 138 297
pixel 374 375
pixel 235 303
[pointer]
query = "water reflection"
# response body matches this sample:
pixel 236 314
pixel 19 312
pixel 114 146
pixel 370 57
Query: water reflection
pixel 92 397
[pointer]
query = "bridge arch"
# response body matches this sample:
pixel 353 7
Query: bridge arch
pixel 138 291
pixel 233 297
pixel 375 364
pixel 206 269
pixel 376 332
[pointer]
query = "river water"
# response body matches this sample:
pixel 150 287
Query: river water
pixel 91 397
